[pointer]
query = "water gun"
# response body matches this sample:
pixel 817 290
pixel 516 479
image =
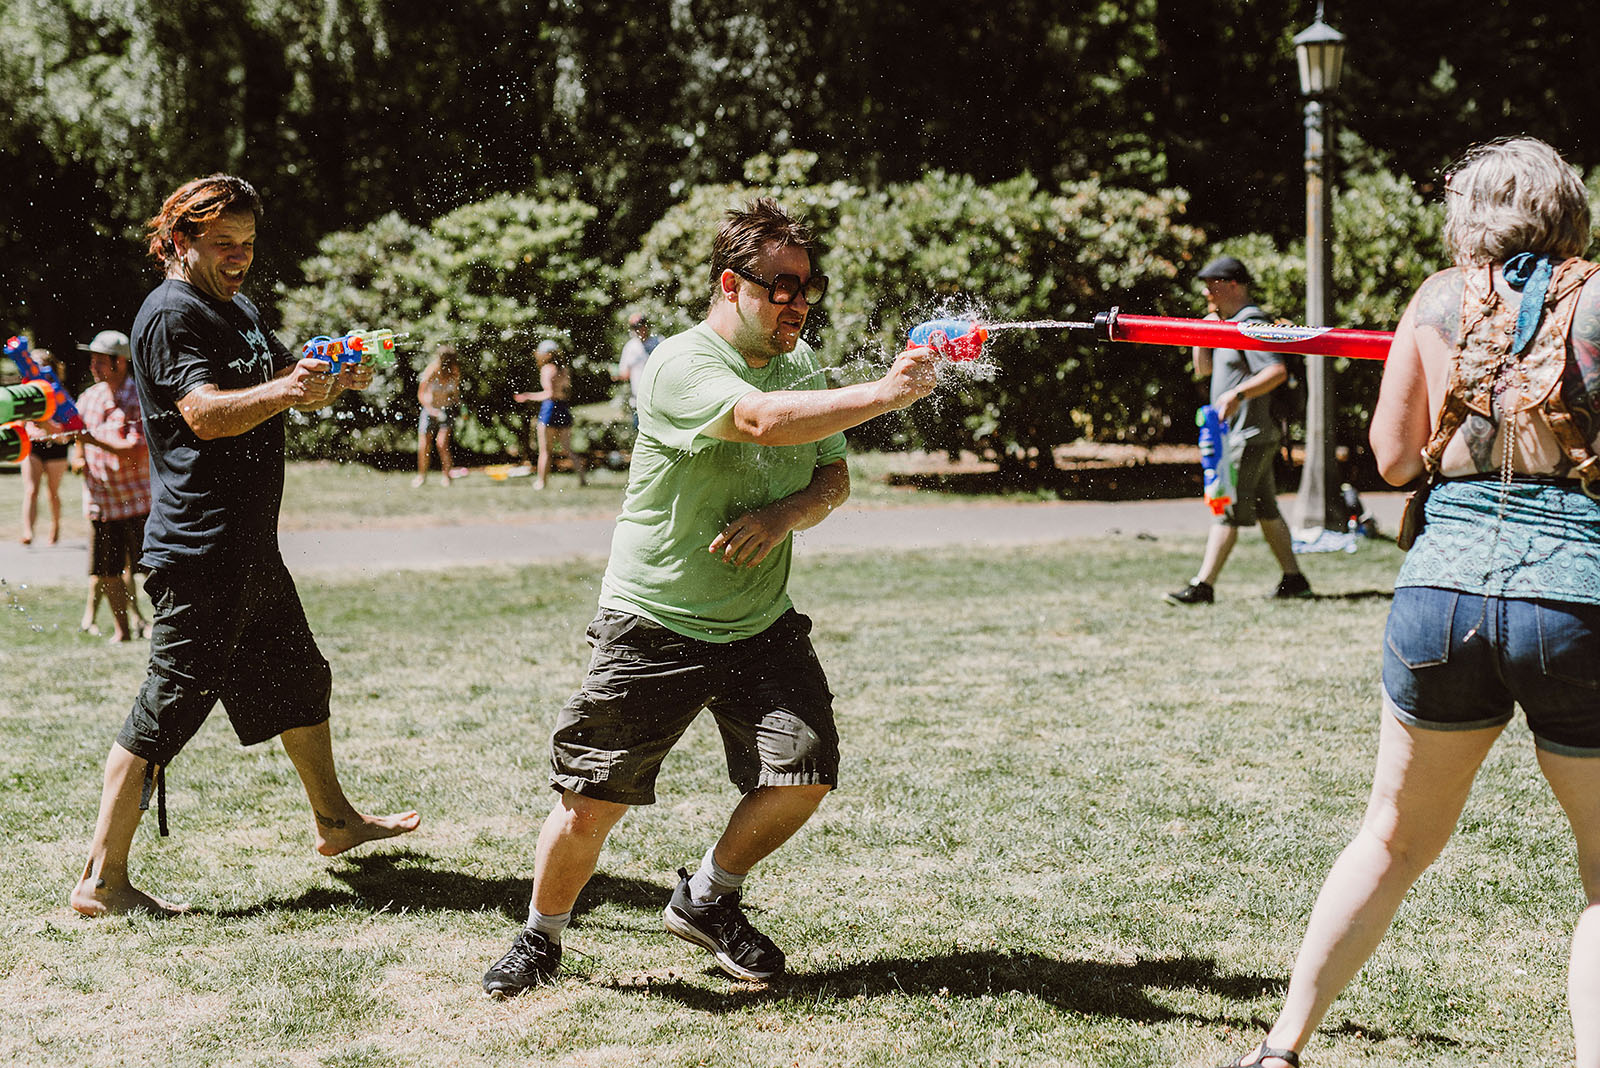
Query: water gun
pixel 14 444
pixel 1258 337
pixel 1219 468
pixel 66 413
pixel 375 347
pixel 29 402
pixel 954 339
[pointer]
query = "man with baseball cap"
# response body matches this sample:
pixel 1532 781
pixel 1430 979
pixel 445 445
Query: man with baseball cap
pixel 1240 383
pixel 635 354
pixel 116 481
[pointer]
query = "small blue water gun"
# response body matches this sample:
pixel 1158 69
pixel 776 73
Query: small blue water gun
pixel 375 347
pixel 1221 473
pixel 66 413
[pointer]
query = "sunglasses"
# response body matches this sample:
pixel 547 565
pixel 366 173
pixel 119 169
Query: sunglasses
pixel 784 288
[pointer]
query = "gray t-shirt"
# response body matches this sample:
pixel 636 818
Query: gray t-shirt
pixel 1233 367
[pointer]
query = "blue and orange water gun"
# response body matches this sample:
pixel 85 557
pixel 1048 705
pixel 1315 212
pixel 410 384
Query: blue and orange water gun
pixel 1219 469
pixel 374 347
pixel 66 413
pixel 954 339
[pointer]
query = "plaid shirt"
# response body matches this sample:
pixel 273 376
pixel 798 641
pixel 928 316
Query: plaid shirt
pixel 114 486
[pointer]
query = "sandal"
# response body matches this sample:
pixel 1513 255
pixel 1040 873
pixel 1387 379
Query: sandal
pixel 1261 1053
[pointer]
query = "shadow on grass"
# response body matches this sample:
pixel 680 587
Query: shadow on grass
pixel 1095 988
pixel 1353 595
pixel 1081 482
pixel 406 880
pixel 1087 987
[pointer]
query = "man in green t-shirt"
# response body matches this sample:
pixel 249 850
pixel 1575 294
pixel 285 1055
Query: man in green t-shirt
pixel 740 444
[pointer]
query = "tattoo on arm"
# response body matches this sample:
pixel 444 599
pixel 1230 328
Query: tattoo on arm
pixel 330 822
pixel 1439 305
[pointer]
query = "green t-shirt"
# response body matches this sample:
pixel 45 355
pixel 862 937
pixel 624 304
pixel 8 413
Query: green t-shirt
pixel 684 487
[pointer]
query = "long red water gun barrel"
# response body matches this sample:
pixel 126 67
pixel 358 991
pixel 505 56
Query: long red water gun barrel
pixel 1260 337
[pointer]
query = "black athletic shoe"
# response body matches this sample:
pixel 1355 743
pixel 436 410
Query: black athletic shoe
pixel 532 959
pixel 1194 593
pixel 722 927
pixel 1292 586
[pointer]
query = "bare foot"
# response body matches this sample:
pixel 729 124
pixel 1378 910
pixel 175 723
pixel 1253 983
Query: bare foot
pixel 419 481
pixel 92 900
pixel 91 628
pixel 539 485
pixel 116 639
pixel 27 539
pixel 334 836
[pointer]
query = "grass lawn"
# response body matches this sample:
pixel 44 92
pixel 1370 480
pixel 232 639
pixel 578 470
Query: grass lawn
pixel 1076 827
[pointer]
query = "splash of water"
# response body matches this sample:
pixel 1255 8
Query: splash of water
pixel 1039 324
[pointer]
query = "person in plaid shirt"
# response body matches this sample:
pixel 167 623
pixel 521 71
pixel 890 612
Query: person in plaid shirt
pixel 116 480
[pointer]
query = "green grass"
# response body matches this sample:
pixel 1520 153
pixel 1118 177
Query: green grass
pixel 1076 827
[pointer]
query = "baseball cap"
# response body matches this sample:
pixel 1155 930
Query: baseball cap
pixel 1225 269
pixel 638 319
pixel 548 345
pixel 110 342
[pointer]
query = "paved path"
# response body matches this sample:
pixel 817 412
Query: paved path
pixel 368 550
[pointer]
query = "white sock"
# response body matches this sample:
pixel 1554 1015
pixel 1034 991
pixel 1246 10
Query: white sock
pixel 712 880
pixel 549 926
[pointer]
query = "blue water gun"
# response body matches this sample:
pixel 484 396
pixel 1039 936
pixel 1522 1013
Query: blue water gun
pixel 66 413
pixel 375 347
pixel 954 339
pixel 1220 471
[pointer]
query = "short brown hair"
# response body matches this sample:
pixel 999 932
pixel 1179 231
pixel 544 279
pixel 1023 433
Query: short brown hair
pixel 196 203
pixel 745 234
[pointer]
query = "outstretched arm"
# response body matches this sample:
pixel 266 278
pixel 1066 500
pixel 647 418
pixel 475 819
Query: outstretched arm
pixel 304 385
pixel 797 417
pixel 747 540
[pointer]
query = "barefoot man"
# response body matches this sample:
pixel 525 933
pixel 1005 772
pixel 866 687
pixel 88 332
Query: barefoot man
pixel 214 384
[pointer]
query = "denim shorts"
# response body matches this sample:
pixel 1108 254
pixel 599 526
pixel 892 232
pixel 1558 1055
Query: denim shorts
pixel 1458 661
pixel 646 684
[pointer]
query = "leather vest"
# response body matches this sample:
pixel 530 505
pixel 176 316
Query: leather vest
pixel 1489 392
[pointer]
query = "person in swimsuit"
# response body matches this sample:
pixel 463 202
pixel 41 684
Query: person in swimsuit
pixel 554 425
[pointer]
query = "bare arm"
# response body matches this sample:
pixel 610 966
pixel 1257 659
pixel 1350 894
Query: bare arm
pixel 305 385
pixel 797 417
pixel 1259 384
pixel 1400 423
pixel 747 540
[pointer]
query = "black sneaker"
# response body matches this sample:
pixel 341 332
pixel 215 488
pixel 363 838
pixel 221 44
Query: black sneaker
pixel 1290 586
pixel 532 959
pixel 1195 593
pixel 722 927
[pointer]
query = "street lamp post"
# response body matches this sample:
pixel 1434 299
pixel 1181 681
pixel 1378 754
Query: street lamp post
pixel 1319 48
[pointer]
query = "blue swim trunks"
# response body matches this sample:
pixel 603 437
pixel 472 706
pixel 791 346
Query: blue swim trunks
pixel 555 413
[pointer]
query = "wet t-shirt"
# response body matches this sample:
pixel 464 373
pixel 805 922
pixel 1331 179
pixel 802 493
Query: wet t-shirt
pixel 222 495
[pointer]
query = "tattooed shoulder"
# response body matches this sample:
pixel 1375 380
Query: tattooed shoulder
pixel 1586 320
pixel 1439 304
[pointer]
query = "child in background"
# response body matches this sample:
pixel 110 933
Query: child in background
pixel 554 426
pixel 439 393
pixel 45 465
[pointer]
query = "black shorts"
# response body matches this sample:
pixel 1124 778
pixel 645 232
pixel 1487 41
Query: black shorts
pixel 230 630
pixel 646 684
pixel 114 544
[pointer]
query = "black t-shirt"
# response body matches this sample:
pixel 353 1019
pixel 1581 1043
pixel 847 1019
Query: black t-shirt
pixel 222 495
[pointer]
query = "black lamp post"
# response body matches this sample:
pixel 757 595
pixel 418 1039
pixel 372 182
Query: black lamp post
pixel 1319 48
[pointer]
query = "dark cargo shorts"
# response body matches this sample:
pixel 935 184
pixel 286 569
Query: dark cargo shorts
pixel 232 631
pixel 646 684
pixel 1256 495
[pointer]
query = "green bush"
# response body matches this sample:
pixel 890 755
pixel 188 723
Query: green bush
pixel 493 278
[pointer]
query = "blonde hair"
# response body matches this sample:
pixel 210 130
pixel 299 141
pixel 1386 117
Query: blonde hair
pixel 1514 195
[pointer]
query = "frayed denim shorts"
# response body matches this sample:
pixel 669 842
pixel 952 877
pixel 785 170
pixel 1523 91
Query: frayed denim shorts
pixel 1459 661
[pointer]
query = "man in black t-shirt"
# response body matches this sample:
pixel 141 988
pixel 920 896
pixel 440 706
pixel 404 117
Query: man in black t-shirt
pixel 214 385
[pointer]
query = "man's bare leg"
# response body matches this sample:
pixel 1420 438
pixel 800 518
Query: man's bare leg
pixel 765 818
pixel 338 825
pixel 569 848
pixel 104 889
pixel 1219 544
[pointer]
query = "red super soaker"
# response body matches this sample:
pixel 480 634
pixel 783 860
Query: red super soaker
pixel 963 339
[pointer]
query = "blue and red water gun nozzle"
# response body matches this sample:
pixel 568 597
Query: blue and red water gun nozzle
pixel 954 339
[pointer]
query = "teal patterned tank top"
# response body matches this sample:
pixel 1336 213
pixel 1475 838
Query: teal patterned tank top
pixel 1548 547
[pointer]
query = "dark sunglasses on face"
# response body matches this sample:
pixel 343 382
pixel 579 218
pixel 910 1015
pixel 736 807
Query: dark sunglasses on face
pixel 784 288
